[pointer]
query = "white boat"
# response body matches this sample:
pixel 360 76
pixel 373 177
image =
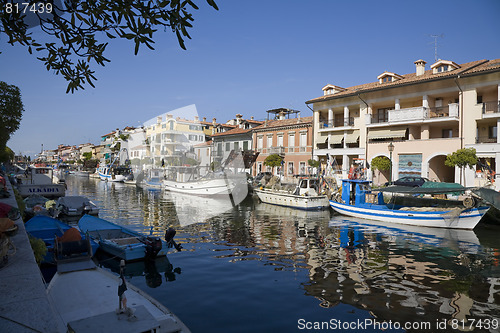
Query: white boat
pixel 304 196
pixel 113 174
pixel 154 178
pixel 353 203
pixel 76 206
pixel 86 299
pixel 40 180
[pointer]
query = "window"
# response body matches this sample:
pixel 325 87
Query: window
pixel 290 168
pixel 245 145
pixel 302 168
pixel 171 125
pixel 260 142
pixel 443 68
pixel 269 141
pixel 447 133
pixel 280 141
pixel 236 146
pixel 291 140
pixel 228 146
pixel 492 132
pixel 303 139
pixel 387 79
pixel 259 167
pixel 479 99
pixel 382 115
pixel 163 125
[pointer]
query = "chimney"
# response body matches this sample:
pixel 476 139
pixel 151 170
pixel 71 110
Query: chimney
pixel 238 118
pixel 196 118
pixel 169 116
pixel 213 121
pixel 298 117
pixel 420 67
pixel 204 119
pixel 281 115
pixel 251 118
pixel 158 119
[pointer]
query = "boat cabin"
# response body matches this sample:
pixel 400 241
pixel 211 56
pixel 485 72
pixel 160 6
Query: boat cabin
pixel 38 175
pixel 357 192
pixel 308 186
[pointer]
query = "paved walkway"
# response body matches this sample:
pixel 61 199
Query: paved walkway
pixel 24 306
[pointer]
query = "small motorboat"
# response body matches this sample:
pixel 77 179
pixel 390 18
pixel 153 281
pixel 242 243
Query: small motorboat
pixel 76 206
pixel 86 299
pixel 124 243
pixel 49 229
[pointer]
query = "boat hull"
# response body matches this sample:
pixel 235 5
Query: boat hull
pixel 467 219
pixel 116 240
pixel 285 199
pixel 47 190
pixel 202 188
pixel 87 299
pixel 112 178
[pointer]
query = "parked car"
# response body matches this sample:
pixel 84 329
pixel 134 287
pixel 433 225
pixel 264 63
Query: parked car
pixel 409 181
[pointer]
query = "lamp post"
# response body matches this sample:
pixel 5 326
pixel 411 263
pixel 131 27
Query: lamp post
pixel 391 149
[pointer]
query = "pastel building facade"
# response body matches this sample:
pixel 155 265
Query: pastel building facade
pixel 421 116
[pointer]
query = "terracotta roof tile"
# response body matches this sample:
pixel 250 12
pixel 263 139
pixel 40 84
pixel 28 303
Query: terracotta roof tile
pixel 465 69
pixel 284 122
pixel 233 131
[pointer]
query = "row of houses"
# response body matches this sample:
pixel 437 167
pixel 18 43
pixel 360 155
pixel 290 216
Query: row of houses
pixel 413 119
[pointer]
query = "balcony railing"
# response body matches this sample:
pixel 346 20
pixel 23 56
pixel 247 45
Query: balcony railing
pixel 491 107
pixel 486 139
pixel 276 150
pixel 415 113
pixel 349 121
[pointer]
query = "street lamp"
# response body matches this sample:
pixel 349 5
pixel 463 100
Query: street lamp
pixel 391 149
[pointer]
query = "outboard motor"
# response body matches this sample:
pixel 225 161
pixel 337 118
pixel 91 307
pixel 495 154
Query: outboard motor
pixel 153 246
pixel 169 238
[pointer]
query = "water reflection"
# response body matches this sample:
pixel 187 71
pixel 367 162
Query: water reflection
pixel 397 273
pixel 405 274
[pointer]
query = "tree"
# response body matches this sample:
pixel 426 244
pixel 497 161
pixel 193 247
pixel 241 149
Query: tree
pixel 11 111
pixel 273 160
pixel 87 155
pixel 6 155
pixel 74 30
pixel 381 163
pixel 462 158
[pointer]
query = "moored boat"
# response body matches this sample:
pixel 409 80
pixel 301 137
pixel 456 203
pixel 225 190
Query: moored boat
pixel 76 206
pixel 303 196
pixel 48 229
pixel 40 180
pixel 353 202
pixel 113 174
pixel 86 299
pixel 122 242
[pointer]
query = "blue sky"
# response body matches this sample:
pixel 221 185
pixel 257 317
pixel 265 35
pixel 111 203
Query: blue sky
pixel 248 57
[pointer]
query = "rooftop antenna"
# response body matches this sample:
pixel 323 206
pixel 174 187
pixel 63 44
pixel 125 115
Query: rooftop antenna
pixel 436 45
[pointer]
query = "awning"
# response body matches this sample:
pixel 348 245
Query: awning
pixel 322 139
pixel 387 133
pixel 352 137
pixel 336 138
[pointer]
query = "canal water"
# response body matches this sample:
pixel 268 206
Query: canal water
pixel 262 268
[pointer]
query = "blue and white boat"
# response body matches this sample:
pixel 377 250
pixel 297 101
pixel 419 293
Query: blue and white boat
pixel 122 242
pixel 47 229
pixel 353 202
pixel 113 174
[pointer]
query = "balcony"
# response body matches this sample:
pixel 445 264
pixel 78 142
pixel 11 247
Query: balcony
pixel 486 139
pixel 277 150
pixel 349 121
pixel 415 114
pixel 491 109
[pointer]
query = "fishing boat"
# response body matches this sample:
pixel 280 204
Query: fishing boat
pixel 113 173
pixel 86 299
pixel 40 180
pixel 76 206
pixel 303 196
pixel 353 202
pixel 154 178
pixel 124 243
pixel 48 229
